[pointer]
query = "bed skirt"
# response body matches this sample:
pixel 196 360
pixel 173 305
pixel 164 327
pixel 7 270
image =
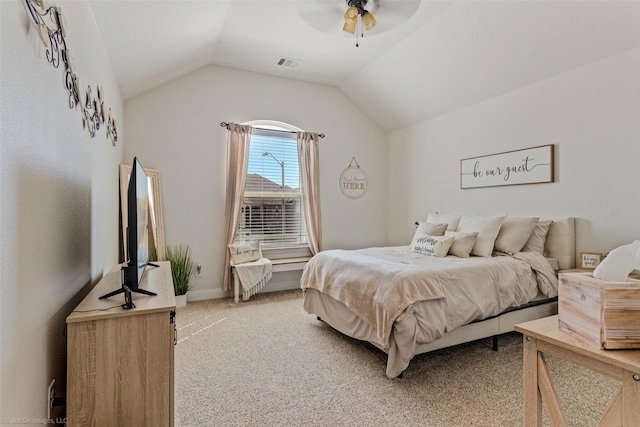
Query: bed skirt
pixel 403 341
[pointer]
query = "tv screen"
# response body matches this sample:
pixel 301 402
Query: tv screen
pixel 137 235
pixel 138 219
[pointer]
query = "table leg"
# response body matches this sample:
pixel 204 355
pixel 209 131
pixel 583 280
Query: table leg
pixel 236 287
pixel 549 394
pixel 613 414
pixel 532 396
pixel 630 398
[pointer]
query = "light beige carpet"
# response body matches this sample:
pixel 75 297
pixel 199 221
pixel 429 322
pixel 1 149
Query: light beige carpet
pixel 266 362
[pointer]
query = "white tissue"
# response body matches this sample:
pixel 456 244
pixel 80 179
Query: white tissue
pixel 619 263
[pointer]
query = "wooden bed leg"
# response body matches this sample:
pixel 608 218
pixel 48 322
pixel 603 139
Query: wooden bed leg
pixel 495 343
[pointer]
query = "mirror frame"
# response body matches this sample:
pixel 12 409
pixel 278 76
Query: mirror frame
pixel 155 210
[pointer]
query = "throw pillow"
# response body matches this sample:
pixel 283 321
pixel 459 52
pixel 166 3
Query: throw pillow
pixel 538 237
pixel 247 252
pixel 514 234
pixel 487 228
pixel 437 246
pixel 451 219
pixel 430 229
pixel 462 243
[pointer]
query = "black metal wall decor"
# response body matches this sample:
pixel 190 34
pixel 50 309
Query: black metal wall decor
pixel 51 26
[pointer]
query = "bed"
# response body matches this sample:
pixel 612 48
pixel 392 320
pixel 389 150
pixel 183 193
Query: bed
pixel 406 303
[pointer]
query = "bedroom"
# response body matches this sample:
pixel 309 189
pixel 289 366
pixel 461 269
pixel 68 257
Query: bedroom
pixel 50 163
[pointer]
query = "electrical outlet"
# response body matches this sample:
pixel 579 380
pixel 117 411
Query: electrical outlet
pixel 50 396
pixel 198 270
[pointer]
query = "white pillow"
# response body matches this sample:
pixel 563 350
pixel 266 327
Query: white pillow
pixel 451 219
pixel 487 228
pixel 245 252
pixel 430 229
pixel 514 234
pixel 538 237
pixel 462 243
pixel 437 246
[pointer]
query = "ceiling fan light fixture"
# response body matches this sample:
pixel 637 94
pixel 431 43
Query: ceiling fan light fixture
pixel 368 21
pixel 350 27
pixel 356 12
pixel 351 15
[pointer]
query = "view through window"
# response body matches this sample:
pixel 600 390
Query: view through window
pixel 272 208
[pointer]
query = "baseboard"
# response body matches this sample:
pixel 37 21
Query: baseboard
pixel 207 294
pixel 280 286
pixel 201 295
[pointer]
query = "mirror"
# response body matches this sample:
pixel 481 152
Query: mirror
pixel 156 223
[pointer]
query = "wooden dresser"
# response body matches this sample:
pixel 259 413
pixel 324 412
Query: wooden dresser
pixel 120 362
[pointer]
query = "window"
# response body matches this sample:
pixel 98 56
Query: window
pixel 272 206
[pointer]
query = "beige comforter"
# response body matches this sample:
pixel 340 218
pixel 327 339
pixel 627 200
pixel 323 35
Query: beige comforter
pixel 379 284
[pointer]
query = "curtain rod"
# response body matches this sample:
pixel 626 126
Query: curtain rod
pixel 226 125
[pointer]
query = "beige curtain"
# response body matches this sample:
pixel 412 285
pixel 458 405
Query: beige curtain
pixel 310 180
pixel 238 140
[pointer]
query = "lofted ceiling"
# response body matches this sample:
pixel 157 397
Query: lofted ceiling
pixel 423 58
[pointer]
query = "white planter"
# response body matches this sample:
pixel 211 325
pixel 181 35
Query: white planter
pixel 181 300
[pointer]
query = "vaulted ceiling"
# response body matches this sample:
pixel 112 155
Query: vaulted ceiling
pixel 422 59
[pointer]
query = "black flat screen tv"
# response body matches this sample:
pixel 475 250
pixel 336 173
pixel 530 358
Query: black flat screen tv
pixel 137 235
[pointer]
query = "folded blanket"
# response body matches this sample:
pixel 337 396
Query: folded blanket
pixel 253 276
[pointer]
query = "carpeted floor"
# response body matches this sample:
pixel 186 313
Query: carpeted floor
pixel 266 362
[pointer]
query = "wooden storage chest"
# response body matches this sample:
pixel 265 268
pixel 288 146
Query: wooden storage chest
pixel 603 314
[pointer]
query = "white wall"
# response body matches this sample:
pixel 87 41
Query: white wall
pixel 59 210
pixel 590 114
pixel 176 130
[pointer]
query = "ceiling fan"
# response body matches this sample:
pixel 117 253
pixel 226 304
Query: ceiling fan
pixel 330 16
pixel 357 14
pixel 357 10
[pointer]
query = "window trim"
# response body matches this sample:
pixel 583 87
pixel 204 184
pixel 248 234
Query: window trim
pixel 286 252
pixel 272 125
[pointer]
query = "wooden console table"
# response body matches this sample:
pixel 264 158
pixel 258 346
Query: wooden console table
pixel 120 362
pixel 543 336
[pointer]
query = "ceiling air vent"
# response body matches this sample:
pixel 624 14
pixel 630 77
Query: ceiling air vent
pixel 288 62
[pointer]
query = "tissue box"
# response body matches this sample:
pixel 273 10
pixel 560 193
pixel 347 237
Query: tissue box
pixel 603 314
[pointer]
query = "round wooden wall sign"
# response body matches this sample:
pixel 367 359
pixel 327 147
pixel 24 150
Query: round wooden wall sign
pixel 353 181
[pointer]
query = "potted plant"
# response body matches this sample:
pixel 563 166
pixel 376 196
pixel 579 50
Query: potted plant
pixel 182 269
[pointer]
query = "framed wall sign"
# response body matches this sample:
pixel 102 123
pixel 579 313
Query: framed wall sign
pixel 590 260
pixel 353 181
pixel 528 166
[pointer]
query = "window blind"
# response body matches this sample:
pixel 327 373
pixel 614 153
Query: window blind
pixel 272 207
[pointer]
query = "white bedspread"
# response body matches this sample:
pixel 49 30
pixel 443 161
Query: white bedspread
pixel 459 290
